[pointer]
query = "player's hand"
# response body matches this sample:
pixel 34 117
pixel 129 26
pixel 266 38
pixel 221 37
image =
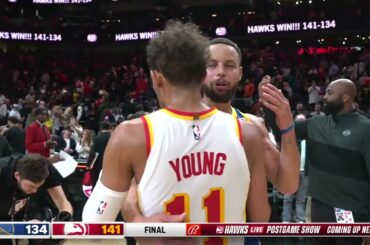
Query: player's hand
pixel 164 218
pixel 131 211
pixel 161 218
pixel 265 80
pixel 169 241
pixel 273 99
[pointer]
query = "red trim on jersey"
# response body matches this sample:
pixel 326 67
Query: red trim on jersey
pixel 147 134
pixel 240 131
pixel 191 114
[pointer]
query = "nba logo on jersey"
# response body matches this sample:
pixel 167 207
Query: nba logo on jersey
pixel 102 206
pixel 196 132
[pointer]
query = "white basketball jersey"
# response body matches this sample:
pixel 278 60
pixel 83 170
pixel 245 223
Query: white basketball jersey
pixel 196 165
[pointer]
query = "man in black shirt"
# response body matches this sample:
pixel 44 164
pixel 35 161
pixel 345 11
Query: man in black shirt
pixel 99 145
pixel 15 135
pixel 20 179
pixel 51 194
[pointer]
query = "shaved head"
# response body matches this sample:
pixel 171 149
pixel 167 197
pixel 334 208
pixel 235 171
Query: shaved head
pixel 345 86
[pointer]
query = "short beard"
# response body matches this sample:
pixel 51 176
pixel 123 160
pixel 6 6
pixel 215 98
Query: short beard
pixel 218 98
pixel 333 108
pixel 22 191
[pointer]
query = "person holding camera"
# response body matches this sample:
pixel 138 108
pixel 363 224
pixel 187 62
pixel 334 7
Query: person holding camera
pixel 21 177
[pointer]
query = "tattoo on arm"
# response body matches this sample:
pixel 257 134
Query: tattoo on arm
pixel 288 140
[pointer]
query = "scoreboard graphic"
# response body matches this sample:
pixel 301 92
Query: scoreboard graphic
pixel 117 230
pixel 77 230
pixel 24 230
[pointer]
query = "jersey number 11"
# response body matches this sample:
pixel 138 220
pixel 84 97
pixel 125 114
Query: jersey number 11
pixel 213 204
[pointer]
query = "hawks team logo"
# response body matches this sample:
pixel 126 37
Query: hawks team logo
pixel 219 230
pixel 196 132
pixel 101 208
pixel 75 229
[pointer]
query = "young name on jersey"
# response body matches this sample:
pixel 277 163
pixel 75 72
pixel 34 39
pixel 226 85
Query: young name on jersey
pixel 195 164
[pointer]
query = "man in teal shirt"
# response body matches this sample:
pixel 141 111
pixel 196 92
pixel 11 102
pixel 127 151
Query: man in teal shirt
pixel 338 157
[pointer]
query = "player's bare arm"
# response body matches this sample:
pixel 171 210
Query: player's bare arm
pixel 282 171
pixel 258 207
pixel 124 158
pixel 60 200
pixel 271 153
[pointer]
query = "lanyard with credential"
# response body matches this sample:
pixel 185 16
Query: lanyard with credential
pixel 13 210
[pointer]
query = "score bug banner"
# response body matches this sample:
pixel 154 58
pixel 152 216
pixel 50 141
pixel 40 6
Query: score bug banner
pixel 117 230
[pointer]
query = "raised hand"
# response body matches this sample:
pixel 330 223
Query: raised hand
pixel 273 99
pixel 265 80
